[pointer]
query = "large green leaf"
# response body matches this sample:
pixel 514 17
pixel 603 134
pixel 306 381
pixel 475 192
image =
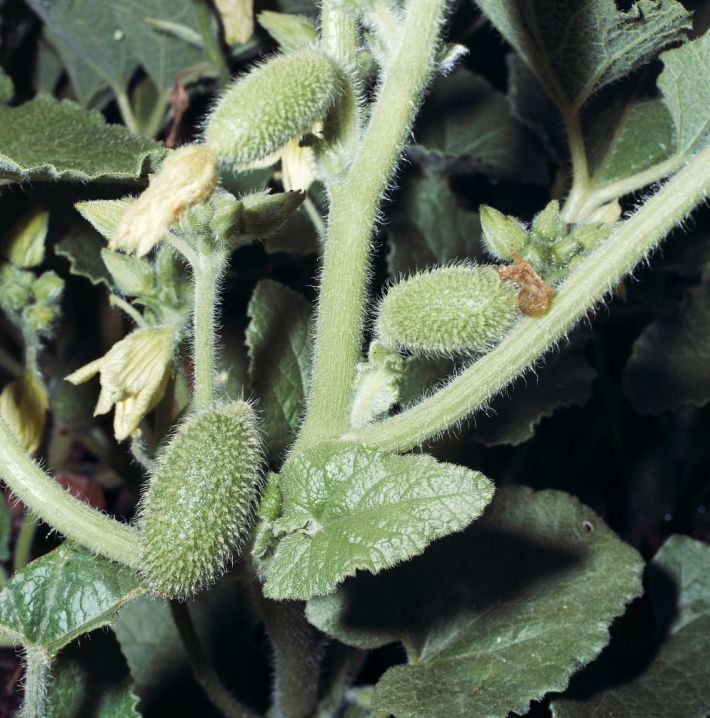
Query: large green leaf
pixel 70 693
pixel 495 617
pixel 685 86
pixel 90 41
pixel 151 644
pixel 62 595
pixel 465 122
pixel 669 364
pixel 163 55
pixel 102 44
pixel 46 139
pixel 279 358
pixel 431 227
pixel 677 681
pixel 348 508
pixel 575 47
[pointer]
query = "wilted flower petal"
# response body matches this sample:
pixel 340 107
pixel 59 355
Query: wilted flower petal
pixel 133 376
pixel 187 177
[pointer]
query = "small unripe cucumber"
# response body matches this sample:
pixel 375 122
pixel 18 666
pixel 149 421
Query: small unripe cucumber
pixel 458 309
pixel 274 103
pixel 200 498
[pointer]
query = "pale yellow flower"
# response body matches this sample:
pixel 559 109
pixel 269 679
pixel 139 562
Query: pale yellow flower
pixel 237 19
pixel 133 376
pixel 187 177
pixel 298 166
pixel 23 407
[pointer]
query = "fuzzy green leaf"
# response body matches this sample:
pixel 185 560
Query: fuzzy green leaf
pixel 565 380
pixel 628 138
pixel 46 139
pixel 575 47
pixel 81 246
pixel 495 617
pixel 70 689
pixel 62 595
pixel 678 677
pixel 279 359
pixel 431 227
pixel 465 122
pixel 669 364
pixel 685 86
pixel 348 508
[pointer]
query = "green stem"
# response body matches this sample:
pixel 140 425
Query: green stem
pixel 347 664
pixel 25 539
pixel 355 202
pixel 207 273
pixel 298 651
pixel 124 107
pixel 591 281
pixel 36 681
pixel 57 507
pixel 580 166
pixel 220 697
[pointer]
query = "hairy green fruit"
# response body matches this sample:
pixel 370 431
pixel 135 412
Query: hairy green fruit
pixel 274 103
pixel 201 496
pixel 459 309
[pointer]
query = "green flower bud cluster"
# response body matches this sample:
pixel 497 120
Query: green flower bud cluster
pixel 551 246
pixel 464 308
pixel 274 103
pixel 197 508
pixel 30 301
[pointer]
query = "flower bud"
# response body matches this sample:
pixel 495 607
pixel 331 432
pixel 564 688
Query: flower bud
pixel 196 511
pixel 502 235
pixel 133 275
pixel 465 308
pixel 548 226
pixel 255 216
pixel 23 407
pixel 24 245
pixel 104 215
pixel 274 103
pixel 15 288
pixel 187 177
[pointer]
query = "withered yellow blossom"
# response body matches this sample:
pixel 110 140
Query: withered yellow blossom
pixel 237 19
pixel 23 407
pixel 187 177
pixel 133 376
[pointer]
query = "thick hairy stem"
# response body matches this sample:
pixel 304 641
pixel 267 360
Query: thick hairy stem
pixel 220 697
pixel 298 651
pixel 207 272
pixel 35 682
pixel 602 270
pixel 57 507
pixel 355 202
